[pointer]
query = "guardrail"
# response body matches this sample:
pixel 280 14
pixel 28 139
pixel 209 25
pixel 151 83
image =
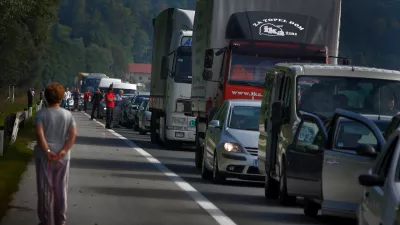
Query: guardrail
pixel 13 122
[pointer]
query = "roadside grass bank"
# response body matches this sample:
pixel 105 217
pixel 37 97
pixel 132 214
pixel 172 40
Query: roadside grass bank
pixel 20 103
pixel 14 161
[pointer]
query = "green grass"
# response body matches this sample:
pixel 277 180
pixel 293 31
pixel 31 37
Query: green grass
pixel 13 164
pixel 20 103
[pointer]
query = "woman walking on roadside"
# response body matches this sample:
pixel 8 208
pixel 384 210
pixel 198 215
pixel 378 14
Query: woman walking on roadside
pixel 56 134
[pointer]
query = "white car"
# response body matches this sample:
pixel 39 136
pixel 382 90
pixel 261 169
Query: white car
pixel 381 200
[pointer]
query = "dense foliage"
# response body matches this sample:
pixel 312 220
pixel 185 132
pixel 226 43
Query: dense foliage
pixel 102 36
pixel 24 30
pixel 105 35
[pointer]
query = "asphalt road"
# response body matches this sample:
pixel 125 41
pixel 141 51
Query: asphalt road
pixel 240 201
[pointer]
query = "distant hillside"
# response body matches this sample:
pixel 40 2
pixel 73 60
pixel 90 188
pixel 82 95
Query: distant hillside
pixel 104 35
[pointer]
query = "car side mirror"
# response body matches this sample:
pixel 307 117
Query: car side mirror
pixel 277 113
pixel 164 67
pixel 214 124
pixel 207 75
pixel 366 150
pixel 369 180
pixel 208 58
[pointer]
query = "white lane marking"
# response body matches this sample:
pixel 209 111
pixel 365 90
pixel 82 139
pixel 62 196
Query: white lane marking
pixel 202 201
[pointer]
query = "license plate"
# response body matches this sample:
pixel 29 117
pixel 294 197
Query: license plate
pixel 255 163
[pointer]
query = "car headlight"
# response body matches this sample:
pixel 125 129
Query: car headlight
pixel 105 108
pixel 179 120
pixel 232 147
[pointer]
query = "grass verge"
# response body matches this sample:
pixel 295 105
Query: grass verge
pixel 13 164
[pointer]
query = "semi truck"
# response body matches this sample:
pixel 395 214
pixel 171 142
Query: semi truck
pixel 171 78
pixel 235 42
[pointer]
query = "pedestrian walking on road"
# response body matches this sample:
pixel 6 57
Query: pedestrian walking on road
pixel 56 134
pixel 86 97
pixel 110 98
pixel 67 95
pixel 96 100
pixel 76 95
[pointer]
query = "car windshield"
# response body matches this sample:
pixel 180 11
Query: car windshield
pixel 183 73
pixel 361 95
pixel 252 69
pixel 91 84
pixel 139 100
pixel 244 117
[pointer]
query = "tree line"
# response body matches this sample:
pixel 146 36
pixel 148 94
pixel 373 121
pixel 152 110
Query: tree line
pixel 43 40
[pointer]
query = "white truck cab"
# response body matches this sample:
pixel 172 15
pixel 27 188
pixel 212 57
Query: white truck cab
pixel 171 78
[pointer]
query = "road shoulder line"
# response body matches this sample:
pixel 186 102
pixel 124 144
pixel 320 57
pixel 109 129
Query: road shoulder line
pixel 202 201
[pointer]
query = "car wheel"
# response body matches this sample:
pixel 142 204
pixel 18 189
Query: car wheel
pixel 284 198
pixel 271 188
pixel 198 151
pixel 135 125
pixel 311 208
pixel 205 173
pixel 218 178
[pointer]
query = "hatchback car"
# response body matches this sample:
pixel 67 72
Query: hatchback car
pixel 230 149
pixel 144 117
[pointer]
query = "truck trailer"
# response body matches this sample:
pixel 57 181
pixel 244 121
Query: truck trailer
pixel 235 42
pixel 171 78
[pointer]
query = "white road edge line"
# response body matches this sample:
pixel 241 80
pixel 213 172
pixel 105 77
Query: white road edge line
pixel 202 201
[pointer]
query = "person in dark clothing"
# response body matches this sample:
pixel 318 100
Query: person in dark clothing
pixel 96 100
pixel 30 98
pixel 76 96
pixel 110 98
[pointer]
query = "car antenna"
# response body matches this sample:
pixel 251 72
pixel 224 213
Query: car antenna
pixel 379 103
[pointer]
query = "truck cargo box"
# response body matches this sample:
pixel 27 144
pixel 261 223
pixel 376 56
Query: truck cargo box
pixel 217 22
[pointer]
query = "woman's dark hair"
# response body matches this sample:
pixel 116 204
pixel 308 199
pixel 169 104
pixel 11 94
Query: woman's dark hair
pixel 54 93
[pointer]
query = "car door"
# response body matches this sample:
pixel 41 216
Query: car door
pixel 380 202
pixel 140 112
pixel 305 156
pixel 342 164
pixel 211 132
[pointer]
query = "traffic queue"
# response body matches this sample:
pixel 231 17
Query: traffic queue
pixel 324 133
pixel 253 88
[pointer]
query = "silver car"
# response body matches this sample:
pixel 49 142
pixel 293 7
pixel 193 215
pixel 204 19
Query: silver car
pixel 230 149
pixel 144 117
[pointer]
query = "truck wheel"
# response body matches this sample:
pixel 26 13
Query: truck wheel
pixel 311 208
pixel 284 198
pixel 205 173
pixel 198 157
pixel 153 133
pixel 218 178
pixel 271 188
